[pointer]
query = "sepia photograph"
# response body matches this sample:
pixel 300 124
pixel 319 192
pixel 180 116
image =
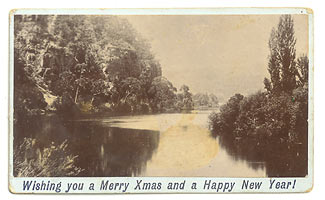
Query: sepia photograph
pixel 220 96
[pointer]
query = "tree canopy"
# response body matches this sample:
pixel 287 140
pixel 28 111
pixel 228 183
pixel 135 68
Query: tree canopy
pixel 99 60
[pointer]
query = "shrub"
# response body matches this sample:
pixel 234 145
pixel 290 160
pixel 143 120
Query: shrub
pixel 53 161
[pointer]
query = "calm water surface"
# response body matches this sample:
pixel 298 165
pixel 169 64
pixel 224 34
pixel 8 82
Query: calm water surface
pixel 146 145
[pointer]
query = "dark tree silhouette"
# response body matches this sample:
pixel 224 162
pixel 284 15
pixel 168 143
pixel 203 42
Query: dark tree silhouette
pixel 282 65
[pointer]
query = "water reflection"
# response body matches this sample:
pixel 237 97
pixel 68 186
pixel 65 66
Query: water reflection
pixel 101 150
pixel 112 151
pixel 161 145
pixel 279 159
pixel 183 148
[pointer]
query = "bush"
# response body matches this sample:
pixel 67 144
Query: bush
pixel 123 108
pixel 282 116
pixel 65 105
pixel 267 127
pixel 53 161
pixel 224 121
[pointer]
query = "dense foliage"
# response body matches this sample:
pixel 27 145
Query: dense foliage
pixel 85 64
pixel 277 117
pixel 74 65
pixel 48 162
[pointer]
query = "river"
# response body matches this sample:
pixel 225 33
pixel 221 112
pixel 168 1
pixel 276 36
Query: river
pixel 176 144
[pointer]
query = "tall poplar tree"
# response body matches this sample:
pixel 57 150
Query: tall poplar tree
pixel 282 65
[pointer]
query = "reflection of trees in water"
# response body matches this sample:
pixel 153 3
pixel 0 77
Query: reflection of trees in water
pixel 242 152
pixel 46 131
pixel 102 151
pixel 116 151
pixel 278 158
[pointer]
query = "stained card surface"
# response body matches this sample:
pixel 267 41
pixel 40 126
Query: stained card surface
pixel 161 100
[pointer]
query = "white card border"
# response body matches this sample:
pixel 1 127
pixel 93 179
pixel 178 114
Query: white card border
pixel 305 184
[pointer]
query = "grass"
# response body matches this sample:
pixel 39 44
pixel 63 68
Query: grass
pixel 52 161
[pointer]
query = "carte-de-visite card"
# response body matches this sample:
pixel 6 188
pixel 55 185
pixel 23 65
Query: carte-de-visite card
pixel 161 100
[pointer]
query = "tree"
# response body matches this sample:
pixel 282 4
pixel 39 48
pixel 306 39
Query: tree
pixel 251 114
pixel 185 98
pixel 214 102
pixel 230 111
pixel 201 99
pixel 205 100
pixel 98 61
pixel 274 123
pixel 162 95
pixel 302 70
pixel 282 64
pixel 29 101
pixel 130 93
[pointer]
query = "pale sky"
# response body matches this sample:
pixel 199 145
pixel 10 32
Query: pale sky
pixel 218 54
